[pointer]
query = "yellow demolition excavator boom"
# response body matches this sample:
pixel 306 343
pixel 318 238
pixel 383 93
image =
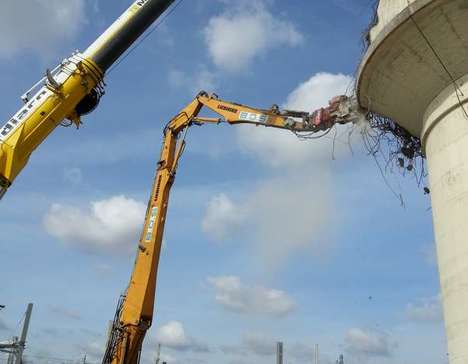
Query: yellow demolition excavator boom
pixel 135 310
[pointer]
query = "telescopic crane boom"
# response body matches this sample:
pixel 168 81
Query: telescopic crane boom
pixel 135 310
pixel 71 90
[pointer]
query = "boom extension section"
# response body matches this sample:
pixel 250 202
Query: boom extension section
pixel 135 311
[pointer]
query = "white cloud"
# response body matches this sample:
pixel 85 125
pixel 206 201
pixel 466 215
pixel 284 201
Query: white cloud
pixel 119 147
pixel 290 215
pixel 246 30
pixel 201 80
pixel 103 269
pixel 93 349
pixel 167 358
pixel 290 212
pixel 66 312
pixel 260 343
pixel 429 253
pixel 425 310
pixel 73 175
pixel 95 6
pixel 279 148
pixel 38 25
pixel 222 217
pixel 368 343
pixel 172 335
pixel 109 225
pixel 93 344
pixel 350 6
pixel 233 350
pixel 303 352
pixel 283 215
pixel 4 326
pixel 318 90
pixel 235 296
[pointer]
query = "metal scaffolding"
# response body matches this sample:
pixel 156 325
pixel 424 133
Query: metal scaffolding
pixel 15 347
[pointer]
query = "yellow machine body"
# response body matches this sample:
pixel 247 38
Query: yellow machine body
pixel 76 81
pixel 55 101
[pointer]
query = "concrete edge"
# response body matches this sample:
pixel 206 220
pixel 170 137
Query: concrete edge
pixel 389 29
pixel 445 97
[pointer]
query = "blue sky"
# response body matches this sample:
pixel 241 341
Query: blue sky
pixel 267 238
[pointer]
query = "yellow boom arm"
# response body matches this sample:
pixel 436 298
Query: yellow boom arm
pixel 135 312
pixel 72 89
pixel 56 100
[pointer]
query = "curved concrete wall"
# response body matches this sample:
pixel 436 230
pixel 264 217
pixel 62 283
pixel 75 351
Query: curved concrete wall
pixel 446 135
pixel 401 77
pixel 386 12
pixel 400 74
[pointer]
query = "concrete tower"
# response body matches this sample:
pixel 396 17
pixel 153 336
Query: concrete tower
pixel 415 72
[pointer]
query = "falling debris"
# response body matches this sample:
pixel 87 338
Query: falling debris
pixel 396 146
